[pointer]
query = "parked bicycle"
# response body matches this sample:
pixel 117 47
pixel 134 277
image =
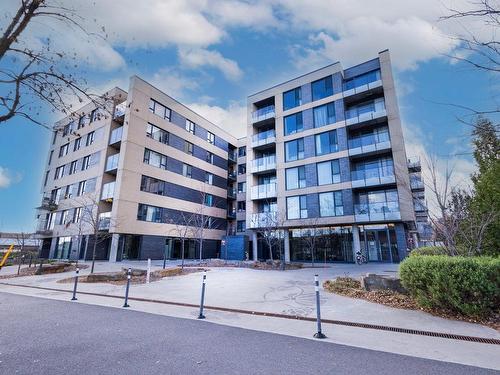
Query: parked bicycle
pixel 360 258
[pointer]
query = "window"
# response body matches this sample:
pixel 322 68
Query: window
pixel 59 172
pixel 63 150
pixel 149 213
pixel 85 162
pixel 328 172
pixel 362 79
pixel 242 151
pixel 81 188
pixel 155 159
pixel 90 138
pixel 324 115
pixel 326 142
pixel 190 126
pixel 242 187
pixel 330 204
pixel 50 156
pixel 81 122
pixel 210 138
pixel 76 145
pixel 77 215
pixel 46 178
pixel 240 226
pixel 293 123
pixel 242 205
pixel 159 109
pixel 94 115
pixel 209 178
pixel 65 130
pixel 188 147
pixel 72 167
pixel 292 98
pixel 242 168
pixel 294 150
pixel 54 137
pixel 187 170
pixel 208 200
pixel 157 134
pixel 322 88
pixel 296 207
pixel 210 157
pixel 295 178
pixel 64 217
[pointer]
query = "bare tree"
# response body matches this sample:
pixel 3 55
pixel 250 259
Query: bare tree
pixel 269 225
pixel 30 75
pixel 310 238
pixel 183 228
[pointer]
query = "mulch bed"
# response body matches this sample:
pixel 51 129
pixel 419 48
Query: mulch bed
pixel 120 278
pixel 275 265
pixel 46 269
pixel 349 287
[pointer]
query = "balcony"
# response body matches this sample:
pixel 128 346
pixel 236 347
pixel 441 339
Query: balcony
pixel 363 113
pixel 349 91
pixel 369 143
pixel 231 193
pixel 264 164
pixel 112 163
pixel 104 221
pixel 414 164
pixel 263 114
pixel 119 113
pixel 108 191
pixel 232 156
pixel 377 212
pixel 48 204
pixel 264 219
pixel 116 136
pixel 264 138
pixel 372 177
pixel 231 214
pixel 417 185
pixel 232 175
pixel 264 191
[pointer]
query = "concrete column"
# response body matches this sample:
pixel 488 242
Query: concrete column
pixel 254 245
pixel 356 244
pixel 113 250
pixel 287 246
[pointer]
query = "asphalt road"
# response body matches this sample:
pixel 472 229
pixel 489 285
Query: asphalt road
pixel 41 336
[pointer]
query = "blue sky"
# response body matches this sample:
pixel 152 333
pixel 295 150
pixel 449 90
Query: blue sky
pixel 212 54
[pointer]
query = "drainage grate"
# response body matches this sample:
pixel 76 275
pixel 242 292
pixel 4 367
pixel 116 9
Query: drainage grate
pixel 443 335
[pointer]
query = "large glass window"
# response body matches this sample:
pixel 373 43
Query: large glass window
pixel 296 207
pixel 328 172
pixel 324 115
pixel 187 170
pixel 76 145
pixel 292 98
pixel 322 88
pixel 210 137
pixel 330 204
pixel 326 142
pixel 190 126
pixel 157 134
pixel 63 150
pixel 294 150
pixel 155 159
pixel 295 178
pixel 188 147
pixel 159 109
pixel 293 123
pixel 362 79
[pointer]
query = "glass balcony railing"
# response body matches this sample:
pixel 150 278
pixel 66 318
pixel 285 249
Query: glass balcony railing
pixel 108 191
pixel 369 143
pixel 104 221
pixel 116 135
pixel 112 162
pixel 366 112
pixel 263 113
pixel 231 193
pixel 371 177
pixel 232 156
pixel 264 138
pixel 414 163
pixel 417 184
pixel 120 110
pixel 377 211
pixel 358 87
pixel 264 191
pixel 264 219
pixel 264 164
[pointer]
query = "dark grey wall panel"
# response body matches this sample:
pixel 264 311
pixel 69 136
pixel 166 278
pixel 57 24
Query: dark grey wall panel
pixel 345 170
pixel 309 147
pixel 307 119
pixel 311 175
pixel 342 138
pixel 347 201
pixel 337 82
pixel 312 205
pixel 306 93
pixel 362 68
pixel 339 110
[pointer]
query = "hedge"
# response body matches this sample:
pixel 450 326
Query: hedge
pixel 466 285
pixel 429 250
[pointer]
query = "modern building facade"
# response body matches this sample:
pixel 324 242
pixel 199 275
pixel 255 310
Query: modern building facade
pixel 324 156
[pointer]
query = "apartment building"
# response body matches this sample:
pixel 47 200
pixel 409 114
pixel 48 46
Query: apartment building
pixel 152 172
pixel 324 156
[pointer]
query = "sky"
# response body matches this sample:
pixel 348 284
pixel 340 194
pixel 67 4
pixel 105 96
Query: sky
pixel 212 54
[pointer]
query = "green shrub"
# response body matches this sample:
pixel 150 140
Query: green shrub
pixel 466 285
pixel 429 250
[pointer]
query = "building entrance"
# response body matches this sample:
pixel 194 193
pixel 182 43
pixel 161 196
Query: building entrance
pixel 378 243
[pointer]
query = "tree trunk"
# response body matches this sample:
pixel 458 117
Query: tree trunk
pixel 93 255
pixel 182 254
pixel 201 247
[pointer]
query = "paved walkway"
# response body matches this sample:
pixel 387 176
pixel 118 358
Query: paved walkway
pixel 289 292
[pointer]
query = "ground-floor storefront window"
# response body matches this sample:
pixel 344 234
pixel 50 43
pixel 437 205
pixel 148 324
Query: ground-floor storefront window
pixel 379 243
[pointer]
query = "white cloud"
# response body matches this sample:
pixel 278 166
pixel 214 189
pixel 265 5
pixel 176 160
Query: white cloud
pixel 232 119
pixel 196 58
pixel 257 15
pixel 7 178
pixel 173 83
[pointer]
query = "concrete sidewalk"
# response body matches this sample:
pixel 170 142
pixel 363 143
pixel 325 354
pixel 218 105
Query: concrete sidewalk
pixel 289 292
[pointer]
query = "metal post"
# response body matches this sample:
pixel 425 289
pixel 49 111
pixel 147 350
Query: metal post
pixel 76 283
pixel 201 316
pixel 148 272
pixel 129 274
pixel 319 334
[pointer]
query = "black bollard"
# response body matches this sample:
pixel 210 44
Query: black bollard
pixel 76 283
pixel 201 316
pixel 319 334
pixel 129 275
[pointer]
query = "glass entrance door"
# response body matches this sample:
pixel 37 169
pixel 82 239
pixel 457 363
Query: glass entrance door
pixel 376 244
